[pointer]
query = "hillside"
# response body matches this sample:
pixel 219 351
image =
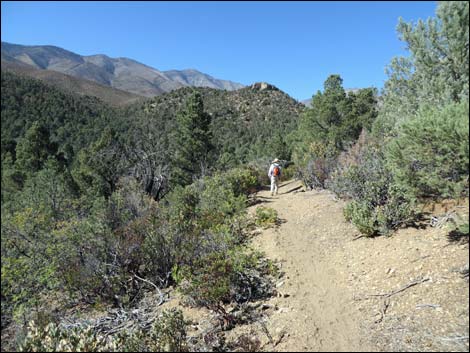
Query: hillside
pixel 258 102
pixel 120 73
pixel 249 123
pixel 73 84
pixel 73 120
pixel 243 121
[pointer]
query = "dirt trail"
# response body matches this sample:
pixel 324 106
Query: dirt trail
pixel 317 311
pixel 326 272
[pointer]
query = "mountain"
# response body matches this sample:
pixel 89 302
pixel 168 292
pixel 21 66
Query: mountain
pixel 195 78
pixel 120 73
pixel 64 82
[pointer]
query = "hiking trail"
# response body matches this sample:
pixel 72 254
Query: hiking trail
pixel 325 300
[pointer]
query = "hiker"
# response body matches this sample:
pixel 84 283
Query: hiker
pixel 274 174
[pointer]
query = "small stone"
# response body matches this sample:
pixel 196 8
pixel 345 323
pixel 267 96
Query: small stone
pixel 266 306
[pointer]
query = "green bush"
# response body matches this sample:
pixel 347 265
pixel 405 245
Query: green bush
pixel 260 169
pixel 289 172
pixel 430 156
pixel 225 276
pixel 243 181
pixel 52 338
pixel 464 228
pixel 202 218
pixel 320 165
pixel 371 220
pixel 361 215
pixel 218 201
pixel 378 205
pixel 266 216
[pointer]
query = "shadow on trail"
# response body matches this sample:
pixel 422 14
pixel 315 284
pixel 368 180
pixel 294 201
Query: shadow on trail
pixel 258 200
pixel 280 221
pixel 294 189
pixel 458 237
pixel 287 183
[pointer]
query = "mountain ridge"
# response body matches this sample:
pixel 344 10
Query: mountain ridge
pixel 72 84
pixel 121 73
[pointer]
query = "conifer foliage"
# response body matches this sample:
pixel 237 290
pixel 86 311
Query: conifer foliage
pixel 191 142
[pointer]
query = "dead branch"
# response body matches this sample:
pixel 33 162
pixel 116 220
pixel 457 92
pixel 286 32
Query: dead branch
pixel 439 222
pixel 385 306
pixel 266 331
pixel 457 338
pixel 434 306
pixel 153 284
pixel 420 258
pixel 281 336
pixel 388 295
pixel 359 237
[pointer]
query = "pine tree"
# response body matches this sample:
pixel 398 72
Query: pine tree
pixel 34 149
pixel 191 142
pixel 100 165
pixel 337 118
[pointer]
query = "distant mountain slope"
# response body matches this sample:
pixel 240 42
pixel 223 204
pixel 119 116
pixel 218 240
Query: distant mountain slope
pixel 121 73
pixel 112 96
pixel 195 78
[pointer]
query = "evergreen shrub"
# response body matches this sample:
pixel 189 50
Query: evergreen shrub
pixel 430 156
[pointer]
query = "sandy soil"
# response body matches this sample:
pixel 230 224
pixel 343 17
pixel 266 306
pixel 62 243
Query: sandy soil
pixel 400 293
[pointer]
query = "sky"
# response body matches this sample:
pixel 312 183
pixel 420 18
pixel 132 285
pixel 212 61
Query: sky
pixel 294 45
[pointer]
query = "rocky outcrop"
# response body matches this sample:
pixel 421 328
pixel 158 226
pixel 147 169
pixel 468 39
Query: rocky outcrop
pixel 263 86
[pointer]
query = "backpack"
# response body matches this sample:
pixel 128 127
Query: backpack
pixel 276 170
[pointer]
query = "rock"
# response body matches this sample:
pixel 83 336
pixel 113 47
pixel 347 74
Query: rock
pixel 266 306
pixel 262 86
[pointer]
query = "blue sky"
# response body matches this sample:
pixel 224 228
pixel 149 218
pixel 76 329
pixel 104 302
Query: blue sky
pixel 293 45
